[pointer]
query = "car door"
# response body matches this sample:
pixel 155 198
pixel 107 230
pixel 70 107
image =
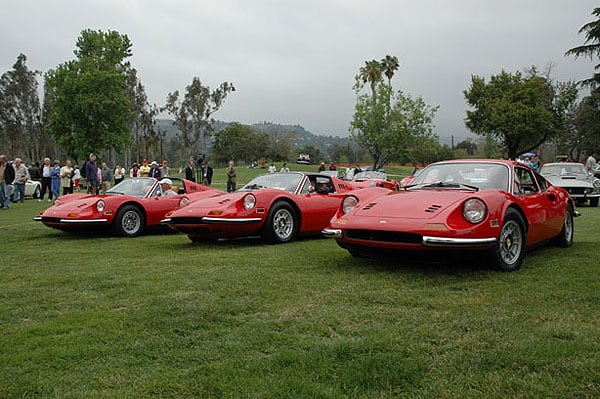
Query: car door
pixel 319 204
pixel 157 206
pixel 541 206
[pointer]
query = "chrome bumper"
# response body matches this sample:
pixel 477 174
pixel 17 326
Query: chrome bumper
pixel 332 233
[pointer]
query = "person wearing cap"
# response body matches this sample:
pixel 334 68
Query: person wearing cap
pixel 155 170
pixel 165 187
pixel 322 167
pixel 145 169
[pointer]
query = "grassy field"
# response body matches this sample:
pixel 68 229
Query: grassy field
pixel 158 316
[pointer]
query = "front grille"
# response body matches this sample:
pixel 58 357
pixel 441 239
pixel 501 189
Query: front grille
pixel 384 236
pixel 576 190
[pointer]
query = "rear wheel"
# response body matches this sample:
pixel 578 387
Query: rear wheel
pixel 281 225
pixel 507 255
pixel 37 192
pixel 565 238
pixel 129 222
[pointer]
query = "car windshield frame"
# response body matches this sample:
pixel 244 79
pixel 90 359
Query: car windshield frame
pixel 139 187
pixel 562 169
pixel 463 175
pixel 370 175
pixel 280 181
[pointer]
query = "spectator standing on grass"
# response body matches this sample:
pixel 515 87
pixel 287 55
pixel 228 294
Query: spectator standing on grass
pixel 46 180
pixel 284 168
pixel 91 173
pixel 272 168
pixel 7 176
pixel 231 177
pixel 155 170
pixel 145 169
pixel 76 178
pixel 135 170
pixel 55 177
pixel 119 174
pixel 207 174
pixel 590 163
pixel 21 176
pixel 164 169
pixel 66 173
pixel 189 171
pixel 105 177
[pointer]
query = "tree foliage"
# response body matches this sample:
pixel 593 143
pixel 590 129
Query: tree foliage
pixel 91 109
pixel 193 113
pixel 239 143
pixel 21 130
pixel 521 112
pixel 591 46
pixel 389 125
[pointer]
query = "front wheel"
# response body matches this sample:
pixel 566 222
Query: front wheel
pixel 281 225
pixel 129 222
pixel 565 238
pixel 507 255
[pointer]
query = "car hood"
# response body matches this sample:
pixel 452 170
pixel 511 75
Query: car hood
pixel 413 204
pixel 570 181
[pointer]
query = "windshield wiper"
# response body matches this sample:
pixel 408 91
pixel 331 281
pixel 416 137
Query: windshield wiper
pixel 253 187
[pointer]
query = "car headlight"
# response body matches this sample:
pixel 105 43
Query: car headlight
pixel 100 205
pixel 474 210
pixel 349 203
pixel 596 184
pixel 249 201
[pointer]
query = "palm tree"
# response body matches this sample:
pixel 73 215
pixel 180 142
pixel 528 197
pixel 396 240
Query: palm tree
pixel 390 65
pixel 371 73
pixel 591 46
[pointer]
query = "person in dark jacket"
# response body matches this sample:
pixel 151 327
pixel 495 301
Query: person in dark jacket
pixel 189 171
pixel 91 175
pixel 207 174
pixel 7 176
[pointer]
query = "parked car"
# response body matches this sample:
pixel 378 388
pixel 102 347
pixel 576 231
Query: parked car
pixel 33 189
pixel 494 206
pixel 573 177
pixel 128 208
pixel 374 179
pixel 276 206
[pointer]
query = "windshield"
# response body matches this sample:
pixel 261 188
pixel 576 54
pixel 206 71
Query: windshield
pixel 563 169
pixel 472 175
pixel 370 175
pixel 137 187
pixel 282 181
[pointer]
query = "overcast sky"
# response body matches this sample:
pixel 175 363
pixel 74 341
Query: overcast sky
pixel 294 61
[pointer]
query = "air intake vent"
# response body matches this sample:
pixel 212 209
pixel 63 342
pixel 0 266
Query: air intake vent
pixel 369 205
pixel 433 208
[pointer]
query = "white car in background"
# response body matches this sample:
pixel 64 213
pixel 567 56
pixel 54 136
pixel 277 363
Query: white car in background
pixel 32 189
pixel 573 177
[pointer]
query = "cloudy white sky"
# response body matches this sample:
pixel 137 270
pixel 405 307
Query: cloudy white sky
pixel 294 61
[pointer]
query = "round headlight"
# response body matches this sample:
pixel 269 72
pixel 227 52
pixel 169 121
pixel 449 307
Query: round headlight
pixel 249 201
pixel 349 203
pixel 596 183
pixel 100 206
pixel 474 210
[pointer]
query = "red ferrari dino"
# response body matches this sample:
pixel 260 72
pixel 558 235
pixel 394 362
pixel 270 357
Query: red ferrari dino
pixel 128 208
pixel 500 207
pixel 276 206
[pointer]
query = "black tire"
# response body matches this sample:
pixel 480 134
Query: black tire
pixel 281 225
pixel 565 238
pixel 508 253
pixel 37 192
pixel 130 221
pixel 594 202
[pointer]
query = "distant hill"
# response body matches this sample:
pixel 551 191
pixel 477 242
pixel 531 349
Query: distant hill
pixel 301 137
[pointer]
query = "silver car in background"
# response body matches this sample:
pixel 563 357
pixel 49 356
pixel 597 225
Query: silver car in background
pixel 573 177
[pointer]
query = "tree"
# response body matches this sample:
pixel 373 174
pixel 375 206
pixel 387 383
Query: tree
pixel 239 143
pixel 390 125
pixel 591 46
pixel 21 129
pixel 389 65
pixel 88 97
pixel 521 112
pixel 370 73
pixel 193 113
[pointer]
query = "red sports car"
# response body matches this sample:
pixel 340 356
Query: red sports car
pixel 276 206
pixel 500 207
pixel 374 178
pixel 128 208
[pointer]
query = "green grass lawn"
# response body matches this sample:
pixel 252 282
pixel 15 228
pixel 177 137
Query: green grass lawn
pixel 158 316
